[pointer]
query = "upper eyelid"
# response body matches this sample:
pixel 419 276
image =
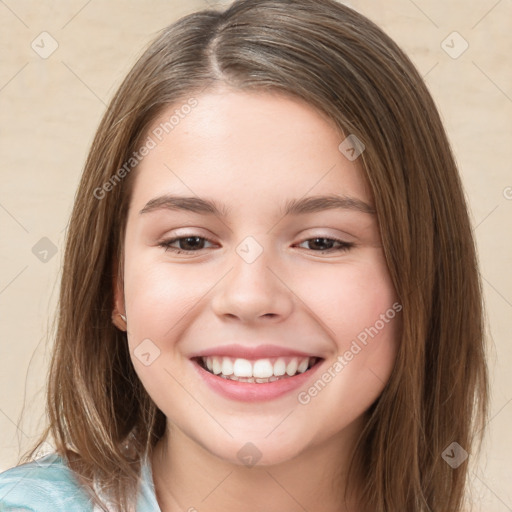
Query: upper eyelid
pixel 345 236
pixel 181 237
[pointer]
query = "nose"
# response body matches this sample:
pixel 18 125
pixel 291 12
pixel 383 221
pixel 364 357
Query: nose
pixel 253 292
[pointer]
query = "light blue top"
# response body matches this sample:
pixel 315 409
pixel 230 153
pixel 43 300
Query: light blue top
pixel 48 485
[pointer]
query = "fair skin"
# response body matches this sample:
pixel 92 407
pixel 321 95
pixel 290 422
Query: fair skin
pixel 253 153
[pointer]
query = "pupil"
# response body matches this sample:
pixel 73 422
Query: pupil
pixel 194 245
pixel 316 240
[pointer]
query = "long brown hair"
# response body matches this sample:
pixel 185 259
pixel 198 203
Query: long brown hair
pixel 101 418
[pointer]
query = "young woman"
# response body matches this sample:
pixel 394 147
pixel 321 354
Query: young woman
pixel 270 298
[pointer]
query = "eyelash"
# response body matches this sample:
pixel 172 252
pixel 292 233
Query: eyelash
pixel 166 244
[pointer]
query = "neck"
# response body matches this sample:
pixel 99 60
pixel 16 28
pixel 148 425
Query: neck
pixel 188 477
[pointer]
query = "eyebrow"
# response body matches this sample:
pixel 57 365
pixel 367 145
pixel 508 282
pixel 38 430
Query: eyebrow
pixel 292 207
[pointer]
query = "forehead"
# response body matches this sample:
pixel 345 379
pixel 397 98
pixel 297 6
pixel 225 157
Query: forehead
pixel 258 148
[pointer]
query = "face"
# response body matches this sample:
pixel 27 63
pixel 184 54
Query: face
pixel 251 285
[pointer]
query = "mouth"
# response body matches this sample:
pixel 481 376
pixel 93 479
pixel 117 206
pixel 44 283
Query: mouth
pixel 258 371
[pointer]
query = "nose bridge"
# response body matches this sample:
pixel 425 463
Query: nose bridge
pixel 251 289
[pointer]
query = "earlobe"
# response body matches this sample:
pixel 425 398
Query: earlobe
pixel 119 320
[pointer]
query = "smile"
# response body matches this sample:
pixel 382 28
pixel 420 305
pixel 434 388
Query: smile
pixel 255 380
pixel 258 371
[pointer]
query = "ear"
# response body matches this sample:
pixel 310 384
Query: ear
pixel 118 293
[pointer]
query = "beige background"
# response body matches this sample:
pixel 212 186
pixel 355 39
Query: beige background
pixel 50 108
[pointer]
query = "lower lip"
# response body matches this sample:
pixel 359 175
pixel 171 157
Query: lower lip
pixel 252 392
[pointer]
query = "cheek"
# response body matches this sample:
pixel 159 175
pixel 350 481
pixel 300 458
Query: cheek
pixel 363 316
pixel 359 306
pixel 351 300
pixel 160 302
pixel 160 297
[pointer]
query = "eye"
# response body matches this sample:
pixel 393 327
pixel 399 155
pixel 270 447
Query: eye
pixel 186 244
pixel 324 244
pixel 192 244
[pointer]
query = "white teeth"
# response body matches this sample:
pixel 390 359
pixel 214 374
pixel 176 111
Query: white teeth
pixel 291 368
pixel 217 368
pixel 227 366
pixel 242 368
pixel 280 367
pixel 261 370
pixel 303 366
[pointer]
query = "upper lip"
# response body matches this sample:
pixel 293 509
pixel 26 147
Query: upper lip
pixel 251 352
